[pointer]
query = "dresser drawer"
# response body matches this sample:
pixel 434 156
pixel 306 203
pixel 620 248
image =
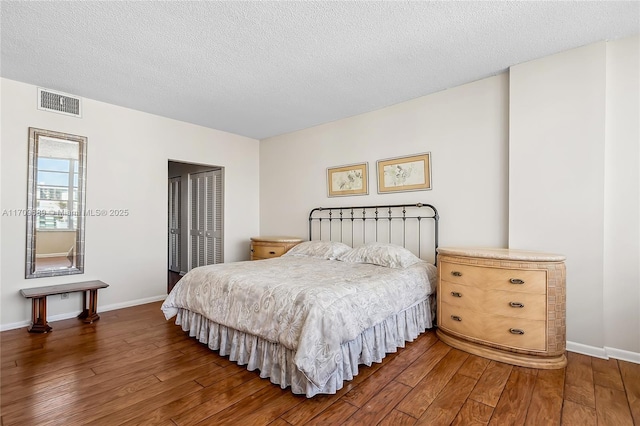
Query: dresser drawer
pixel 510 332
pixel 267 251
pixel 528 281
pixel 503 304
pixel 506 303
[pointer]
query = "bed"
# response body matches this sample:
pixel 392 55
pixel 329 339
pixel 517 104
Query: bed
pixel 362 286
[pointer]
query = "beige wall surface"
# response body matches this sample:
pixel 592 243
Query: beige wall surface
pixel 540 158
pixel 556 185
pixel 621 296
pixel 127 155
pixel 574 185
pixel 464 128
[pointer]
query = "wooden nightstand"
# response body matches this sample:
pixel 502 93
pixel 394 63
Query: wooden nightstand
pixel 506 305
pixel 270 247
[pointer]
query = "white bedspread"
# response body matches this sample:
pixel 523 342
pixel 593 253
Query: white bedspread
pixel 308 305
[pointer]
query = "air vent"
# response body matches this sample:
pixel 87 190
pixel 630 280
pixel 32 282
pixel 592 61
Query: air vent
pixel 62 103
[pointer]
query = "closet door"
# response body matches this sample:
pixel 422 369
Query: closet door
pixel 174 224
pixel 206 225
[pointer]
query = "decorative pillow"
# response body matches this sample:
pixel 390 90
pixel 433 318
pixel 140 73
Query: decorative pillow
pixel 381 254
pixel 320 249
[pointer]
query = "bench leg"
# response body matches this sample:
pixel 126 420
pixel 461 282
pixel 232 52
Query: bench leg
pixel 39 322
pixel 89 314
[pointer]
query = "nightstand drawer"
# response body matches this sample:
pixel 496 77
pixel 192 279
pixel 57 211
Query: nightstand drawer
pixel 528 281
pixel 506 303
pixel 270 247
pixel 509 332
pixel 267 252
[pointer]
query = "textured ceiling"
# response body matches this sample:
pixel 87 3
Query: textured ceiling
pixel 265 68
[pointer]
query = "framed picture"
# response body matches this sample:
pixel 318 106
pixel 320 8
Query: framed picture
pixel 412 173
pixel 348 180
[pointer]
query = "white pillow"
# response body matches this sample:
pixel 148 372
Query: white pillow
pixel 319 249
pixel 381 254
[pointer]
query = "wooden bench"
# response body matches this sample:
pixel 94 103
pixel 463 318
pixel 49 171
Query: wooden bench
pixel 38 296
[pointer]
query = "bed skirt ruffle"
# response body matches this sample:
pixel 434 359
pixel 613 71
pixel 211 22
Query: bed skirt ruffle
pixel 276 362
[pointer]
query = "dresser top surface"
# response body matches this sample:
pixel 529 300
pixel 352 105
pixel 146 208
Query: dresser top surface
pixel 277 239
pixel 502 254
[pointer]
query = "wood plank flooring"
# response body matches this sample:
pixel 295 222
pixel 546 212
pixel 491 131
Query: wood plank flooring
pixel 133 367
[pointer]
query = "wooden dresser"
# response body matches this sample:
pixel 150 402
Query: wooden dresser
pixel 503 304
pixel 269 247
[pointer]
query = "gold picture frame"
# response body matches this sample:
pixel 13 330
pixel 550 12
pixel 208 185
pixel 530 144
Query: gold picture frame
pixel 410 173
pixel 351 179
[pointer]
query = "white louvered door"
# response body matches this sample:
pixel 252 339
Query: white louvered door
pixel 206 224
pixel 174 224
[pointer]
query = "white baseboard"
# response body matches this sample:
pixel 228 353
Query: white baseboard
pixel 69 315
pixel 623 355
pixel 604 353
pixel 587 350
pixel 15 325
pixel 131 303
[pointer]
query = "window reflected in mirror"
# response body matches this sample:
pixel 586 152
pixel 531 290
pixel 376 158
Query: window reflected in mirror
pixel 55 223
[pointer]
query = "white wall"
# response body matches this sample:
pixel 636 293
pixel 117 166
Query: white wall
pixel 544 158
pixel 556 178
pixel 621 296
pixel 573 186
pixel 559 134
pixel 464 128
pixel 128 153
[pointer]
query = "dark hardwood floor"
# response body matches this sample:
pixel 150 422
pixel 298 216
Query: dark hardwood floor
pixel 134 367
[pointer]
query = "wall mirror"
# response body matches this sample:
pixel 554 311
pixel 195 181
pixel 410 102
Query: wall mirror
pixel 55 203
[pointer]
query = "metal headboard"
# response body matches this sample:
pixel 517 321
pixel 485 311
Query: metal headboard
pixel 399 224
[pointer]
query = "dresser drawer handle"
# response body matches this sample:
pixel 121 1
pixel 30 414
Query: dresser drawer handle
pixel 516 331
pixel 456 318
pixel 272 252
pixel 516 281
pixel 456 273
pixel 456 294
pixel 516 305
